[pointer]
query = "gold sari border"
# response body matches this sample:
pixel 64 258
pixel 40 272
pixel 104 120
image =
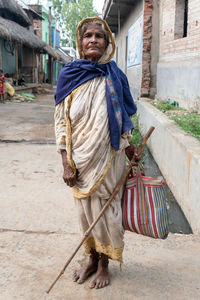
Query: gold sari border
pixel 77 193
pixel 107 249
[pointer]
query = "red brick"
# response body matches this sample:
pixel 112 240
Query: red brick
pixel 184 46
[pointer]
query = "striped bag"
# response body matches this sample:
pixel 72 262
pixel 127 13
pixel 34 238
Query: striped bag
pixel 144 208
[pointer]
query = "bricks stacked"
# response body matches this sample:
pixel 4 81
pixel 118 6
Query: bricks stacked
pixel 37 24
pixel 146 55
pixel 173 45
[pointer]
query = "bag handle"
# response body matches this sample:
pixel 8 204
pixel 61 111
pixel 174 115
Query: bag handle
pixel 140 148
pixel 140 171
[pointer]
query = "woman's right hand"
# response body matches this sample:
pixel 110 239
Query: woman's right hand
pixel 69 176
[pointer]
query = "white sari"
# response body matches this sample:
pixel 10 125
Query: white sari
pixel 81 126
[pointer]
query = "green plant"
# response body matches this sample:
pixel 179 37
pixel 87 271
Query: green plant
pixel 137 137
pixel 189 122
pixel 163 106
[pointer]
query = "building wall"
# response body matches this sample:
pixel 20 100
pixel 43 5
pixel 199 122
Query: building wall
pixel 179 59
pixel 8 60
pixel 55 42
pixel 154 47
pixel 134 73
pixel 37 24
pixel 178 157
pixel 142 76
pixel 45 37
pixel 146 51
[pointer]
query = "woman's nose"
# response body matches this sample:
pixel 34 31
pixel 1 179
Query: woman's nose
pixel 93 38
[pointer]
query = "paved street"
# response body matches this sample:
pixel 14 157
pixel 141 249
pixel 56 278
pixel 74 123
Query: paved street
pixel 39 228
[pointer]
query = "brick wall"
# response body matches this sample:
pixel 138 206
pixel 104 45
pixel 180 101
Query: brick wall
pixel 37 24
pixel 146 55
pixel 172 43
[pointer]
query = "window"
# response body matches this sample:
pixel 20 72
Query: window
pixel 181 19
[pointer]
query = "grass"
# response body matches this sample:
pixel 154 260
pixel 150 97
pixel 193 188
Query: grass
pixel 137 137
pixel 165 106
pixel 190 122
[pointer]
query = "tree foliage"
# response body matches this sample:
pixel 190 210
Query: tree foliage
pixel 71 12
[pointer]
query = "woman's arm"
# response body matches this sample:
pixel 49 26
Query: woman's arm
pixel 68 175
pixel 60 132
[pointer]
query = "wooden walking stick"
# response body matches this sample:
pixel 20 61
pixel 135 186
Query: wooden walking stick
pixel 116 190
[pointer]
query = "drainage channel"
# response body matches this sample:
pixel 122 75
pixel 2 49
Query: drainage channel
pixel 177 220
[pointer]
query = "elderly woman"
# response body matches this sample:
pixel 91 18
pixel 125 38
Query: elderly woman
pixel 92 124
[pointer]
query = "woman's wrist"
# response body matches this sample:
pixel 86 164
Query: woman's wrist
pixel 64 158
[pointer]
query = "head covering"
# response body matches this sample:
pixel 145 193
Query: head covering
pixel 120 104
pixel 109 51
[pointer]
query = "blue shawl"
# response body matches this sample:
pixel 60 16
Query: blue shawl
pixel 120 104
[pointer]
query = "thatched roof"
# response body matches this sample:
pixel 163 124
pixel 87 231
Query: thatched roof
pixel 62 57
pixel 29 10
pixel 10 9
pixel 50 51
pixel 35 15
pixel 12 31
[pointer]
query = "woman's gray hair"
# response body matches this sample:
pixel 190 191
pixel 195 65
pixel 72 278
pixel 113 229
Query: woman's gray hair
pixel 85 26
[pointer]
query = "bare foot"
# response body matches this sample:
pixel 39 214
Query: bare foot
pixel 91 267
pixel 101 278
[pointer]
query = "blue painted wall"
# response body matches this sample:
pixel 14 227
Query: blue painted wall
pixel 57 37
pixel 8 60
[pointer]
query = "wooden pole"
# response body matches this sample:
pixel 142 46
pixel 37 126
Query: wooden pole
pixel 33 73
pixel 0 60
pixel 115 192
pixel 17 63
pixel 119 23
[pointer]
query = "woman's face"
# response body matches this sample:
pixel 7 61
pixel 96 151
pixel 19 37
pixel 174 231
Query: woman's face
pixel 93 43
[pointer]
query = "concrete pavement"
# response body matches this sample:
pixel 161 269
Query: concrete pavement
pixel 39 228
pixel 28 121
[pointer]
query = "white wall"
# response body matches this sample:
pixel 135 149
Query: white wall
pixel 178 157
pixel 134 73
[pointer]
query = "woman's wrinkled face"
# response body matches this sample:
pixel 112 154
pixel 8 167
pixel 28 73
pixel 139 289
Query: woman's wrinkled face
pixel 93 43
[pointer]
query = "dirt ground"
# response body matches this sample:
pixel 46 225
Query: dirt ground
pixel 39 228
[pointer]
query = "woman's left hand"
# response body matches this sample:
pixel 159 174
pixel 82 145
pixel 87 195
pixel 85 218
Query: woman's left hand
pixel 132 152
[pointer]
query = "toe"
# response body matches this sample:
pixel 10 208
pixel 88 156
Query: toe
pixel 97 285
pixel 80 280
pixel 75 276
pixel 92 284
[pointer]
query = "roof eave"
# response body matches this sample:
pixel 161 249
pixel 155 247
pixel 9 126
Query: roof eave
pixel 114 10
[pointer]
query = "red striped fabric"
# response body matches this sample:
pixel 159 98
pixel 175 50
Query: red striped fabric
pixel 144 206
